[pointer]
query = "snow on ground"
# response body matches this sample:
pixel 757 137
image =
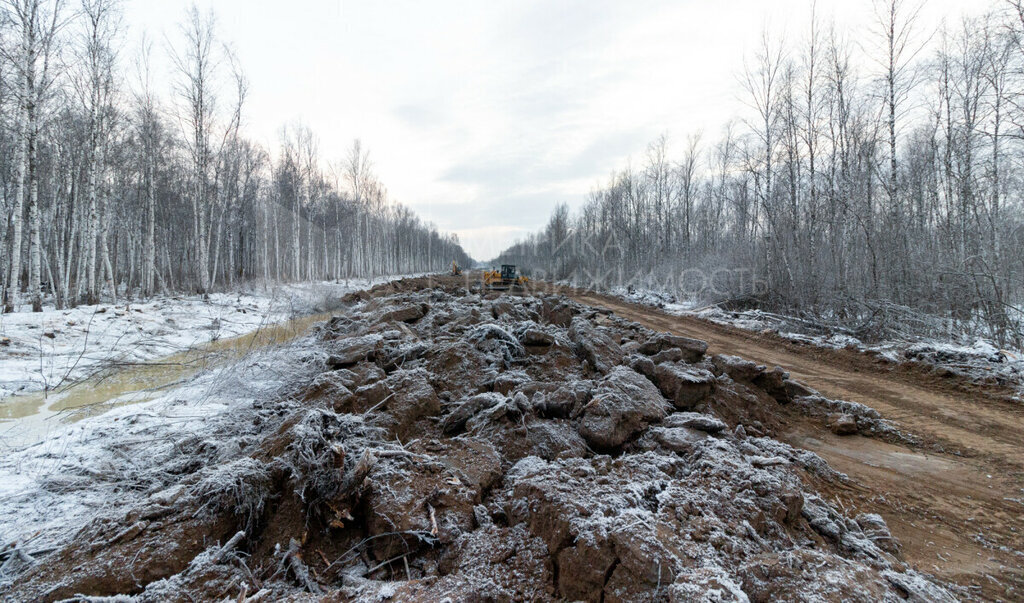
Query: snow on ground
pixel 979 359
pixel 44 350
pixel 51 489
pixel 70 472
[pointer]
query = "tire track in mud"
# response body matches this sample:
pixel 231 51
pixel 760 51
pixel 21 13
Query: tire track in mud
pixel 956 504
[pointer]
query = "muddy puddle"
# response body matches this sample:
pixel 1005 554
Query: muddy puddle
pixel 841 451
pixel 27 418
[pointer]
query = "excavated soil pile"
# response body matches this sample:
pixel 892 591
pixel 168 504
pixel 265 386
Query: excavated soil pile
pixel 450 446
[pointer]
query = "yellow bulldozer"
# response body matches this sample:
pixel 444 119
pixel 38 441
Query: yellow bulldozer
pixel 456 270
pixel 508 278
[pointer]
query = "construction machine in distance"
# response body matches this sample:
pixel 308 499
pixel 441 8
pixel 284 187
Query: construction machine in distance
pixel 456 271
pixel 508 278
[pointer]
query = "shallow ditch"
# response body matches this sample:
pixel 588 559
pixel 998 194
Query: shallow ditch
pixel 28 418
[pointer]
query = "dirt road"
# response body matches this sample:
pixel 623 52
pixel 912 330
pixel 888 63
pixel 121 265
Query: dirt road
pixel 956 503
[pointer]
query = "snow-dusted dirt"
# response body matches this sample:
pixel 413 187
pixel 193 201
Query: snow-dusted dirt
pixel 951 491
pixel 976 359
pixel 429 443
pixel 54 474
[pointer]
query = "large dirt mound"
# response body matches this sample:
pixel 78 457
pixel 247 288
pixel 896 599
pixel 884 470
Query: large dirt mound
pixel 455 446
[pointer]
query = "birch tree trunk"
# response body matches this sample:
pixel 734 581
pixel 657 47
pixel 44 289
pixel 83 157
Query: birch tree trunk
pixel 149 247
pixel 17 207
pixel 35 245
pixel 103 248
pixel 27 15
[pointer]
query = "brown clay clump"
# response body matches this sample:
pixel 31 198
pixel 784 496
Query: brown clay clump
pixel 450 446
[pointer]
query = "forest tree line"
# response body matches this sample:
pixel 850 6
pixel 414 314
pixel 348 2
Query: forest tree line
pixel 883 193
pixel 112 188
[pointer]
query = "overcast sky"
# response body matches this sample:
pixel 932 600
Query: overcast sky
pixel 482 115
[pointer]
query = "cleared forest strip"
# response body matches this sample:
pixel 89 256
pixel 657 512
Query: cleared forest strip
pixel 436 441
